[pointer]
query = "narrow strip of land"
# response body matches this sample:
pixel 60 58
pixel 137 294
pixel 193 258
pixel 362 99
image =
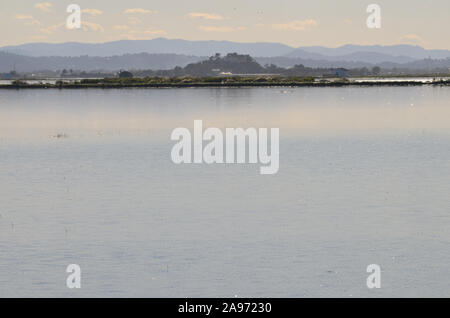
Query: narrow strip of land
pixel 108 83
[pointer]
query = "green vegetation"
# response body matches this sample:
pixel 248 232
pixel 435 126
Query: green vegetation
pixel 230 81
pixel 125 74
pixel 19 83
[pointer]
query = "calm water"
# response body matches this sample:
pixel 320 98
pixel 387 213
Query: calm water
pixel 86 178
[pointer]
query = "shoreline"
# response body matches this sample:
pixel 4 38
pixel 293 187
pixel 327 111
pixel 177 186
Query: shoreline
pixel 133 84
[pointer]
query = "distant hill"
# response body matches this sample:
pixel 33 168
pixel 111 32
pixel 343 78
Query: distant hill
pixel 156 46
pixel 21 63
pixel 233 64
pixel 283 61
pixel 425 64
pixel 236 64
pixel 145 61
pixel 346 53
pixel 165 54
pixel 411 51
pixel 366 57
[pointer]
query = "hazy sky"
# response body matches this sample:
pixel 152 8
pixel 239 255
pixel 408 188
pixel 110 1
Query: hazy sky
pixel 293 22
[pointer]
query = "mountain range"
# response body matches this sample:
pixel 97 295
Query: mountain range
pixel 156 46
pixel 22 63
pixel 164 53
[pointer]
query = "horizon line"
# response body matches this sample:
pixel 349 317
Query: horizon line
pixel 258 42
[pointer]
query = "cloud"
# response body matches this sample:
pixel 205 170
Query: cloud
pixel 92 12
pixel 52 28
pixel 33 22
pixel 138 10
pixel 147 32
pixel 412 38
pixel 85 26
pixel 43 6
pixel 143 34
pixel 134 21
pixel 206 16
pixel 297 25
pixel 90 26
pixel 221 29
pixel 29 20
pixel 121 27
pixel 23 17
